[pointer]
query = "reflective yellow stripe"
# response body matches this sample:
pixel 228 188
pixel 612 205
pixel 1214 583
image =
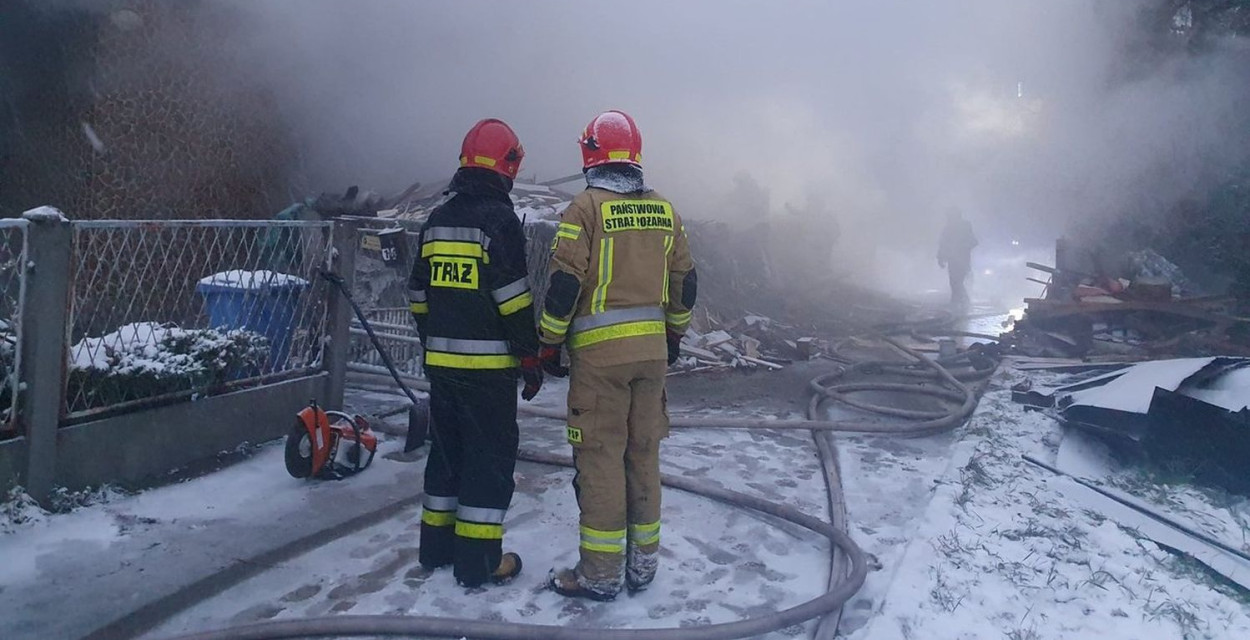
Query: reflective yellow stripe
pixel 419 308
pixel 479 531
pixel 438 518
pixel 616 332
pixel 516 304
pixel 619 155
pixel 603 548
pixel 461 361
pixel 606 253
pixel 570 231
pixel 484 161
pixel 668 248
pixel 603 541
pixel 679 319
pixel 451 248
pixel 554 325
pixel 644 533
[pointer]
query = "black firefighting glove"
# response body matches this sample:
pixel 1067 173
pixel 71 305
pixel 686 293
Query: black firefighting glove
pixel 674 346
pixel 532 372
pixel 550 357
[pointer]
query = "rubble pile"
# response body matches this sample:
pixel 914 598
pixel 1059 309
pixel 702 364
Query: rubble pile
pixel 1152 313
pixel 533 202
pixel 753 342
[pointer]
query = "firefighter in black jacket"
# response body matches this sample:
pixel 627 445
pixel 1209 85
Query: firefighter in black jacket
pixel 472 304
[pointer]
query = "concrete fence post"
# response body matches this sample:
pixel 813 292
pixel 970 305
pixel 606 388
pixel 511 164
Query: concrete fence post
pixel 45 332
pixel 345 240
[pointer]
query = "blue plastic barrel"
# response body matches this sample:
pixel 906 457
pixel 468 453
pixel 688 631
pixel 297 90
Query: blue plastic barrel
pixel 261 301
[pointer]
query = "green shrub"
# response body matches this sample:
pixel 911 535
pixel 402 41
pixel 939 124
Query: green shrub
pixel 147 360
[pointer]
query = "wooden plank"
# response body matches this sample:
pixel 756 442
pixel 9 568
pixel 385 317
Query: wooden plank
pixel 697 352
pixel 763 363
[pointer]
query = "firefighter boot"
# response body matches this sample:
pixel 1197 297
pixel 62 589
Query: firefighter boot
pixel 571 584
pixel 641 562
pixel 509 567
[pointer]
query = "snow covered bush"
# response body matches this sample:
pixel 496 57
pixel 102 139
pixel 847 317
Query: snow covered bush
pixel 146 359
pixel 18 510
pixel 8 364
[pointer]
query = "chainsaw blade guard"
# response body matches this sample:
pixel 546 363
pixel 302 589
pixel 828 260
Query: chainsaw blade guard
pixel 309 444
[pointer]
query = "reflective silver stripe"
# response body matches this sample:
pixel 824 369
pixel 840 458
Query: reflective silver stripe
pixel 510 291
pixel 441 503
pixel 416 295
pixel 475 347
pixel 456 234
pixel 481 514
pixel 617 316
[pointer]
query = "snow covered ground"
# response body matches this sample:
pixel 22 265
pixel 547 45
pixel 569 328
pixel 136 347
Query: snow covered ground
pixel 719 564
pixel 967 540
pixel 1007 549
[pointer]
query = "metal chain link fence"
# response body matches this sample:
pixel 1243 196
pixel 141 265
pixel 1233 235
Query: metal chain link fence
pixel 165 310
pixel 12 292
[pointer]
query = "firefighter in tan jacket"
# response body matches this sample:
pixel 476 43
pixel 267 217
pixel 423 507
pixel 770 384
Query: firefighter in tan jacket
pixel 621 290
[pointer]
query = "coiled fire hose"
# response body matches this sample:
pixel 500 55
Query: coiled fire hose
pixel 848 568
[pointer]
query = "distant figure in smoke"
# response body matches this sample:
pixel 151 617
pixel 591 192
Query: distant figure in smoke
pixel 955 255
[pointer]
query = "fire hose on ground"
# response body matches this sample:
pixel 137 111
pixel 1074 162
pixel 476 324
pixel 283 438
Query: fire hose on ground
pixel 848 567
pixel 922 423
pixel 432 627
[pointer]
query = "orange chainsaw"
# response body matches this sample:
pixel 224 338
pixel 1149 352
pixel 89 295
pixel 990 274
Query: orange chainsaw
pixel 328 445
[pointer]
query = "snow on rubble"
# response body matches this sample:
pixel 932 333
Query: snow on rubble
pixel 533 202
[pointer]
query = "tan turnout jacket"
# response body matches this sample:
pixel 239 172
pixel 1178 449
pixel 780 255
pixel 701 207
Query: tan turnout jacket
pixel 630 254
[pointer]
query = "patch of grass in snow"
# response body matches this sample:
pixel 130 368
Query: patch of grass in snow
pixel 951 545
pixel 973 476
pixel 1099 580
pixel 1093 516
pixel 1024 634
pixel 1047 508
pixel 944 595
pixel 1180 612
pixel 1069 535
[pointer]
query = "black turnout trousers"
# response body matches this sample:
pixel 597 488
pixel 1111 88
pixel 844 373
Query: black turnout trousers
pixel 468 475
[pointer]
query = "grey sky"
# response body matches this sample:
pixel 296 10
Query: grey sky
pixel 889 110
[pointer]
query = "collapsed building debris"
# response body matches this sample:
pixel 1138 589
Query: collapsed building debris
pixel 1190 416
pixel 1145 308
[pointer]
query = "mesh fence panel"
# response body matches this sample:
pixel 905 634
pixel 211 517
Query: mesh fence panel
pixel 167 309
pixel 382 291
pixel 12 284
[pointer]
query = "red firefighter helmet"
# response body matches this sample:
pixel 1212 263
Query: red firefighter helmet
pixel 611 137
pixel 491 144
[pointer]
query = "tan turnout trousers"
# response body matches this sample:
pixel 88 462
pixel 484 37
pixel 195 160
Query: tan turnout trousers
pixel 621 277
pixel 617 417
